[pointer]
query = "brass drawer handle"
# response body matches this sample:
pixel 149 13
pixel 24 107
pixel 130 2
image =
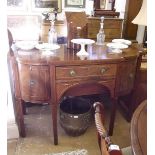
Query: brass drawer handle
pixel 72 73
pixel 103 70
pixel 131 76
pixel 32 82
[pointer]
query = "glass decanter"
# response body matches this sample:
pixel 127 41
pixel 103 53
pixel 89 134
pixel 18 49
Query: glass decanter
pixel 101 35
pixel 52 34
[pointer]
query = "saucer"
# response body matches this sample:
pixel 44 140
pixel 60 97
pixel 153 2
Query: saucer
pixel 47 46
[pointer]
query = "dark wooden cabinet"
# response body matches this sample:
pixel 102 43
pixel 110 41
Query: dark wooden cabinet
pixel 34 82
pixel 129 102
pixel 112 28
pixel 126 71
pixel 48 78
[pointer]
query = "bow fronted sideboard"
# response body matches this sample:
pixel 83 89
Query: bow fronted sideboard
pixel 38 77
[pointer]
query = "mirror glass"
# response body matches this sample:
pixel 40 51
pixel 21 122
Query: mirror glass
pixel 104 4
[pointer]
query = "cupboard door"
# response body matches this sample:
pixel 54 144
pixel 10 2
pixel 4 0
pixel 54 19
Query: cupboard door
pixel 126 74
pixel 34 82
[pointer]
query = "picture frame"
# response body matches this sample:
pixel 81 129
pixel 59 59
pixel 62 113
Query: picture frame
pixel 75 3
pixel 16 5
pixel 46 5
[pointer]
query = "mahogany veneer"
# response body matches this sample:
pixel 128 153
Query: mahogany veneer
pixel 39 78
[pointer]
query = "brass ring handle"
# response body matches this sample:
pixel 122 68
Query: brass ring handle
pixel 131 75
pixel 103 70
pixel 72 73
pixel 32 82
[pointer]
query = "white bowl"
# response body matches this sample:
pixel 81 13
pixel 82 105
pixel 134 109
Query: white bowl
pixel 25 45
pixel 82 41
pixel 124 41
pixel 47 46
pixel 117 45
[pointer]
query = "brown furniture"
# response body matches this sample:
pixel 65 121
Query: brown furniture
pixel 104 141
pixel 39 78
pixel 112 28
pixel 139 130
pixel 102 12
pixel 106 13
pixel 76 27
pixel 130 102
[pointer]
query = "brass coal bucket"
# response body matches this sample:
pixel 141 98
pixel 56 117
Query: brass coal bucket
pixel 75 115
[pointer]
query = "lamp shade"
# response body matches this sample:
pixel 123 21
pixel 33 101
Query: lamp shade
pixel 141 18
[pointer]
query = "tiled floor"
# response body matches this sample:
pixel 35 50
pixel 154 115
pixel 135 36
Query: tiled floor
pixel 39 138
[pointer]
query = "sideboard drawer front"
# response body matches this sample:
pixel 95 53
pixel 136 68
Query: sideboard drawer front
pixel 71 72
pixel 34 82
pixel 86 71
pixel 103 70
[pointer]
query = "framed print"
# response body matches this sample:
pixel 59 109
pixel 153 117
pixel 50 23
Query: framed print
pixel 46 5
pixel 75 3
pixel 18 5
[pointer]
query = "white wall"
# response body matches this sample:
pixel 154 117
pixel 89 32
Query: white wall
pixel 119 5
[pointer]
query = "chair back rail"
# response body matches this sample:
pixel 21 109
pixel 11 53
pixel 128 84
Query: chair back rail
pixel 103 138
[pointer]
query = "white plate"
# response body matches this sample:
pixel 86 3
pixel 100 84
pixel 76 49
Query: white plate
pixel 83 41
pixel 47 46
pixel 117 45
pixel 124 41
pixel 25 45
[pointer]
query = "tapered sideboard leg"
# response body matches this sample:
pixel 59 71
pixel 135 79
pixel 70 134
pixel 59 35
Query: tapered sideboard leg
pixel 112 117
pixel 54 119
pixel 20 117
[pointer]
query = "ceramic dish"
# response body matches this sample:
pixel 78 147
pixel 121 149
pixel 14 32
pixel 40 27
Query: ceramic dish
pixel 117 45
pixel 25 45
pixel 83 41
pixel 124 41
pixel 47 46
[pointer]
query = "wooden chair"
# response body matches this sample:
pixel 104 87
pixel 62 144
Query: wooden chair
pixel 105 144
pixel 13 72
pixel 77 24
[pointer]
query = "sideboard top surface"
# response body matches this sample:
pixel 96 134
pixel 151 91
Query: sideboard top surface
pixel 68 56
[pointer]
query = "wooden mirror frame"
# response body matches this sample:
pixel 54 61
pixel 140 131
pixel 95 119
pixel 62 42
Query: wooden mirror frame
pixel 101 12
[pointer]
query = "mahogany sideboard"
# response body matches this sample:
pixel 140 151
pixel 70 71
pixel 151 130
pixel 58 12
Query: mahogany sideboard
pixel 39 78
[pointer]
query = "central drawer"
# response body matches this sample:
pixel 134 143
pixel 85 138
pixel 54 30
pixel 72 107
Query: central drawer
pixel 85 71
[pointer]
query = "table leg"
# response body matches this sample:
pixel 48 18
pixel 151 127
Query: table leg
pixel 54 119
pixel 24 108
pixel 20 117
pixel 112 117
